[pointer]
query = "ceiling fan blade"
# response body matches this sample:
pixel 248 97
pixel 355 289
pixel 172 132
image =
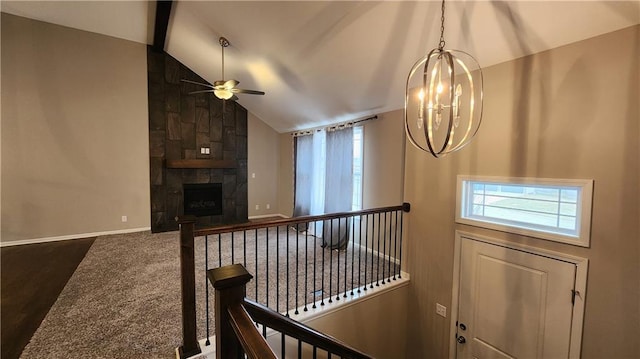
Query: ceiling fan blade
pixel 196 83
pixel 250 92
pixel 231 84
pixel 202 91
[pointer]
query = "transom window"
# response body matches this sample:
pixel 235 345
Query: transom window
pixel 553 209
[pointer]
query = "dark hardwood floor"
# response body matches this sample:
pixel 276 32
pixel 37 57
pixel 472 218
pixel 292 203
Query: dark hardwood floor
pixel 31 279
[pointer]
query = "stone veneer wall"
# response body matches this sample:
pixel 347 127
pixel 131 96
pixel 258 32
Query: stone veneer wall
pixel 179 125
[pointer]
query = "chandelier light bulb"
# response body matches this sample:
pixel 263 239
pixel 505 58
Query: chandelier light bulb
pixel 420 121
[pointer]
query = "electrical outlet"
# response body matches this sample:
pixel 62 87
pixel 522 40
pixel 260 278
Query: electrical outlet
pixel 268 206
pixel 124 218
pixel 257 207
pixel 441 310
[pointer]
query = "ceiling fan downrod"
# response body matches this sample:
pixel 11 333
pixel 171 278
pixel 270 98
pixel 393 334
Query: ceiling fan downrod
pixel 224 43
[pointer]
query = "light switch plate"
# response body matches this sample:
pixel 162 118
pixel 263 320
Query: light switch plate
pixel 441 310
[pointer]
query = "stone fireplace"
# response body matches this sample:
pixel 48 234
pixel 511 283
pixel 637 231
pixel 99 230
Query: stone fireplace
pixel 193 141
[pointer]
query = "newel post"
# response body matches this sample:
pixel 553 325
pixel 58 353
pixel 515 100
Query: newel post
pixel 230 289
pixel 190 344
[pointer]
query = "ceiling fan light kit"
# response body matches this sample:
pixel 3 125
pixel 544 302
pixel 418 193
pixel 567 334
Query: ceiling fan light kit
pixel 443 99
pixel 223 89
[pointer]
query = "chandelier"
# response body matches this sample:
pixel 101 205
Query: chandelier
pixel 443 99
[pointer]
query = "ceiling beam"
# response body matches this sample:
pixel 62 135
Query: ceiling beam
pixel 163 12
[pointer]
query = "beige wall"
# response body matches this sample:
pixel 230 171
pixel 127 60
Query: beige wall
pixel 375 326
pixel 74 132
pixel 263 166
pixel 383 165
pixel 571 112
pixel 285 175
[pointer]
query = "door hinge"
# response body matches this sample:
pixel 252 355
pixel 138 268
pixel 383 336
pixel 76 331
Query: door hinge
pixel 574 293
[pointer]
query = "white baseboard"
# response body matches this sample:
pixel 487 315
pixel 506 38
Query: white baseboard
pixel 375 253
pixel 268 215
pixel 71 236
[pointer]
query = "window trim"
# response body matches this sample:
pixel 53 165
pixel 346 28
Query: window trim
pixel 583 239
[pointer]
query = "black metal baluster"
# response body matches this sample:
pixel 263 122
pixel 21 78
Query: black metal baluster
pixel 282 350
pixel 267 265
pixel 297 264
pixel 287 256
pixel 315 352
pixel 389 254
pixel 264 331
pixel 395 248
pixel 219 250
pixel 299 348
pixel 346 255
pixel 360 253
pixel 338 266
pixel 232 245
pixel 373 236
pixel 401 235
pixel 366 253
pixel 353 252
pixel 278 269
pixel 306 266
pixel 206 285
pixel 378 255
pixel 244 247
pixel 315 244
pixel 330 261
pixel 255 276
pixel 384 244
pixel 322 296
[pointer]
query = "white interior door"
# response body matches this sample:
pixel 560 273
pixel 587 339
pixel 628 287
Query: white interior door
pixel 512 303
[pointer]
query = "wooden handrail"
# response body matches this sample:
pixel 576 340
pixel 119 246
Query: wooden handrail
pixel 296 220
pixel 254 345
pixel 295 329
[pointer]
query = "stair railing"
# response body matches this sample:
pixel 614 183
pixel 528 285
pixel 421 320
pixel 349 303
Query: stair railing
pixel 237 317
pixel 379 259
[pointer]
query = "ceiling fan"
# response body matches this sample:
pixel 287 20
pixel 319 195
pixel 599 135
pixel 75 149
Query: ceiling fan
pixel 223 89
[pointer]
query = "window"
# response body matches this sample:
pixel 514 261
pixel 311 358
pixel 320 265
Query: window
pixel 357 168
pixel 328 171
pixel 552 209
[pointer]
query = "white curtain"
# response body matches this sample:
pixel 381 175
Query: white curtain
pixel 318 173
pixel 338 185
pixel 324 181
pixel 303 157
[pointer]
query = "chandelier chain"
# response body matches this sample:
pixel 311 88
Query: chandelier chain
pixel 441 43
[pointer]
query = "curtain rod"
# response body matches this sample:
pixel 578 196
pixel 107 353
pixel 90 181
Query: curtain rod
pixel 332 127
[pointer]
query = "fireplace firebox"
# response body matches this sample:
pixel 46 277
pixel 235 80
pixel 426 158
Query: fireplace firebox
pixel 203 199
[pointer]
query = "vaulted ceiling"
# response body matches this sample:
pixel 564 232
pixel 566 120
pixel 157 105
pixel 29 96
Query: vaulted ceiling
pixel 322 62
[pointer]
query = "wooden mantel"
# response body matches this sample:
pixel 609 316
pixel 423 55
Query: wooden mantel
pixel 201 163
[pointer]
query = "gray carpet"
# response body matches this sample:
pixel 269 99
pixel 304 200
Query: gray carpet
pixel 123 301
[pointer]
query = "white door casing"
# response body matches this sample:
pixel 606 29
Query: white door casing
pixel 515 301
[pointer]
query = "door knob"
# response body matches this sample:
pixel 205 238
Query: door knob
pixel 461 339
